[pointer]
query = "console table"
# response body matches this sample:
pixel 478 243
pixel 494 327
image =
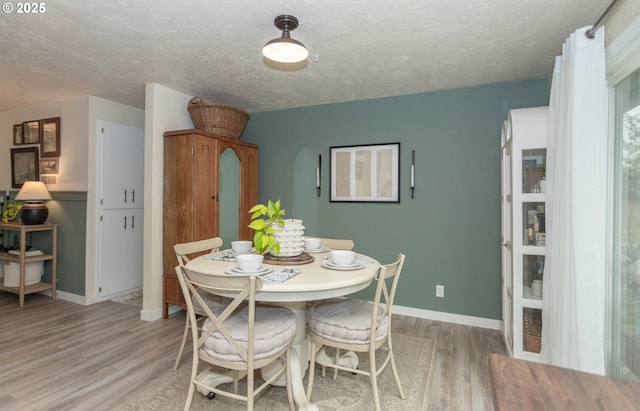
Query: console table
pixel 22 259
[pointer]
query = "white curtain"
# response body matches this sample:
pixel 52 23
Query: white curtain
pixel 573 309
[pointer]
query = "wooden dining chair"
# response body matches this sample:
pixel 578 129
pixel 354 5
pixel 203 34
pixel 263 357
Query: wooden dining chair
pixel 356 325
pixel 242 337
pixel 337 244
pixel 183 253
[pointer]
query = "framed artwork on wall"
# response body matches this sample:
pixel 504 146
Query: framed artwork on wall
pixel 50 137
pixel 48 166
pixel 24 166
pixel 31 132
pixel 17 134
pixel 365 173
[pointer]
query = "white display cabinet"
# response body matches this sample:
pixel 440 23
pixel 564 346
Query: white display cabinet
pixel 523 156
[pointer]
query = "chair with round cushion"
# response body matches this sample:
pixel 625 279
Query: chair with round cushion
pixel 357 326
pixel 243 337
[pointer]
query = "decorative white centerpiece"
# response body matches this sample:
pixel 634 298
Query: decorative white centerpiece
pixel 274 234
pixel 290 237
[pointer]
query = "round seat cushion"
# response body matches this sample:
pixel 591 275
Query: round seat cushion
pixel 274 329
pixel 346 321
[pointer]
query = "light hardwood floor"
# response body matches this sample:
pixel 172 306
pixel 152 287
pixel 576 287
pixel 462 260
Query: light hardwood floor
pixel 57 355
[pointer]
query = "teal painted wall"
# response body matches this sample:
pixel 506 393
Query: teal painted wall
pixel 69 211
pixel 450 230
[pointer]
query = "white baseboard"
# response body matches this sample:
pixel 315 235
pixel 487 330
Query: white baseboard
pixel 153 315
pixel 63 295
pixel 449 317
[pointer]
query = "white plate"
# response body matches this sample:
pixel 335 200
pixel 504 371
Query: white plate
pixel 330 265
pixel 321 249
pixel 234 270
pixel 231 252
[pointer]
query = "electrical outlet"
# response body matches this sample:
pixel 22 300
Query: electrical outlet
pixel 440 291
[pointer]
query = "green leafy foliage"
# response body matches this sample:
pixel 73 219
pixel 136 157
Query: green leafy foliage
pixel 263 217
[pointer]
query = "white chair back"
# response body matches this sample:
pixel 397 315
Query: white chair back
pixel 337 244
pixel 186 251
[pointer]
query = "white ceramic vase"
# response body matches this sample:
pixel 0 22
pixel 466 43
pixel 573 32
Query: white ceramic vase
pixel 290 238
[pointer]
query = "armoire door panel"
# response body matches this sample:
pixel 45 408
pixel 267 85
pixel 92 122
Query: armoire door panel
pixel 205 205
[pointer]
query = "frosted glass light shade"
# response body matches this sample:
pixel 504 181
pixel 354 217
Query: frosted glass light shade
pixel 285 50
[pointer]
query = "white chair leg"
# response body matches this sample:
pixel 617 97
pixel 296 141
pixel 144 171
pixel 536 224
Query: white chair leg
pixel 374 379
pixel 336 362
pixel 250 388
pixel 182 344
pixel 395 370
pixel 192 386
pixel 312 369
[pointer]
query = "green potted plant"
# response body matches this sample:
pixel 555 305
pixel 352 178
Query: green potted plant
pixel 264 218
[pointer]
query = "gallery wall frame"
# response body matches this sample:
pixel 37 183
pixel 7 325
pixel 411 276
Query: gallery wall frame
pixel 17 134
pixel 50 137
pixel 365 173
pixel 31 132
pixel 24 166
pixel 49 166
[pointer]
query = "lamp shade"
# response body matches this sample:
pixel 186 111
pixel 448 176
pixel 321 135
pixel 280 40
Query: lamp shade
pixel 33 191
pixel 285 49
pixel 33 211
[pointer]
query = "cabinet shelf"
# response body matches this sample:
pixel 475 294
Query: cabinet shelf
pixel 28 289
pixel 533 250
pixel 531 299
pixel 29 259
pixel 533 197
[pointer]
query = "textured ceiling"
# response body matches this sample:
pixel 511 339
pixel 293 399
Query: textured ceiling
pixel 212 48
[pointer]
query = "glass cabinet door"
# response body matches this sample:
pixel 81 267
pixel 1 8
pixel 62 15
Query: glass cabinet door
pixel 533 170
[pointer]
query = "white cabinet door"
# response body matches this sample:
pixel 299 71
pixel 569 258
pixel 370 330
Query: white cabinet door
pixel 120 236
pixel 121 257
pixel 122 149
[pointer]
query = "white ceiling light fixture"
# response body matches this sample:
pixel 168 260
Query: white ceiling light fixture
pixel 285 49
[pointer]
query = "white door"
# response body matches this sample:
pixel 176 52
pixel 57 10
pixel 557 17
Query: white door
pixel 121 262
pixel 121 208
pixel 122 165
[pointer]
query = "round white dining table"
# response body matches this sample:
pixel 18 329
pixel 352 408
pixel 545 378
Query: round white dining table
pixel 315 282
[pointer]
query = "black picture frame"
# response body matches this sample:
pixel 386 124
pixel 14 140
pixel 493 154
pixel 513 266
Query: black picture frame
pixel 50 137
pixel 31 132
pixel 24 166
pixel 365 173
pixel 17 135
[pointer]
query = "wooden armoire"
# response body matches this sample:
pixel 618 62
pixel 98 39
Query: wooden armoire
pixel 204 175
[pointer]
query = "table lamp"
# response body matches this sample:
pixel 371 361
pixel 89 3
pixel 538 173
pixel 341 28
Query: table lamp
pixel 33 210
